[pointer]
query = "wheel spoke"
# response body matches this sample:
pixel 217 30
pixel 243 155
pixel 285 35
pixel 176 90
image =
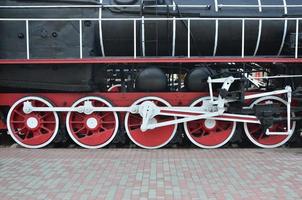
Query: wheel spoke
pixel 204 133
pixel 261 135
pixel 17 131
pixel 48 122
pixel 195 130
pixel 25 135
pixel 78 115
pixel 135 125
pixel 19 113
pixel 105 115
pixel 79 130
pixel 77 122
pixel 108 122
pixel 255 129
pixel 46 129
pixel 45 115
pixel 18 122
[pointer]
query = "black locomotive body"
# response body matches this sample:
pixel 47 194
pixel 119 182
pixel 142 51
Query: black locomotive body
pixel 60 39
pixel 167 48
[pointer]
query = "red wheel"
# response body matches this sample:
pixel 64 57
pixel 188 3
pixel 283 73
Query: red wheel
pixel 34 130
pixel 115 88
pixel 209 133
pixel 258 136
pixel 95 130
pixel 150 139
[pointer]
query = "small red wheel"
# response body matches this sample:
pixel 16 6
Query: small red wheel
pixel 258 136
pixel 115 88
pixel 33 130
pixel 95 130
pixel 209 133
pixel 150 139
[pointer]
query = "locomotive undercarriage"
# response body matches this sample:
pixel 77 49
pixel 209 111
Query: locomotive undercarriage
pixel 238 99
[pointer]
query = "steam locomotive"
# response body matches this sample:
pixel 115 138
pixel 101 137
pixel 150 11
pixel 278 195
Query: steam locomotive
pixel 150 72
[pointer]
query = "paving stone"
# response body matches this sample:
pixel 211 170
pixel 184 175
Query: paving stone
pixel 140 174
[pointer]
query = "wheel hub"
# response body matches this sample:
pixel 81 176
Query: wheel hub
pixel 32 122
pixel 91 123
pixel 210 123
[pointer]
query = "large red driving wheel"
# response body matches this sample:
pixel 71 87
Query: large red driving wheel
pixel 258 136
pixel 33 130
pixel 209 133
pixel 95 130
pixel 150 139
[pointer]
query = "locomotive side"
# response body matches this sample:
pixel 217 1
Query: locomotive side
pixel 213 70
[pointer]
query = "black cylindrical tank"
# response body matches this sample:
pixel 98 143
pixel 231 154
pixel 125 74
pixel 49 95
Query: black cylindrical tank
pixel 151 80
pixel 60 39
pixel 196 79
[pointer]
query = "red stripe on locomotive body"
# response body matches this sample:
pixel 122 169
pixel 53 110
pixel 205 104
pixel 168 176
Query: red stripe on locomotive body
pixel 117 99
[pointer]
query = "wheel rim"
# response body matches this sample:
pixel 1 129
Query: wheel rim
pixel 208 133
pixel 95 130
pixel 150 139
pixel 34 130
pixel 257 136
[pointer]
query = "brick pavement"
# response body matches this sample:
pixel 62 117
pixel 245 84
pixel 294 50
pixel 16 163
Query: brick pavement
pixel 142 174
